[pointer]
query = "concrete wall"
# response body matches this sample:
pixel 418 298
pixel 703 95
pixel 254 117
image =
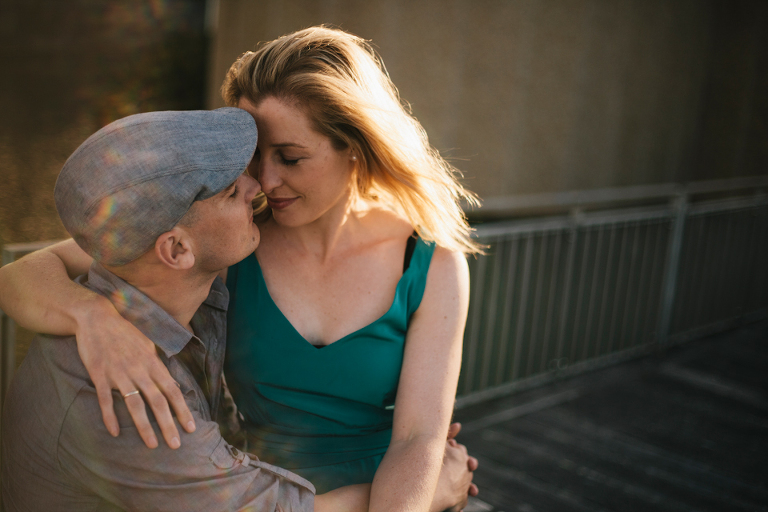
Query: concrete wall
pixel 537 96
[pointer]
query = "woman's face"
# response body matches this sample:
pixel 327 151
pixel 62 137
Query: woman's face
pixel 301 173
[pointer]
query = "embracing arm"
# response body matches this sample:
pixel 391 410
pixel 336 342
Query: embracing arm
pixel 37 292
pixel 32 288
pixel 408 474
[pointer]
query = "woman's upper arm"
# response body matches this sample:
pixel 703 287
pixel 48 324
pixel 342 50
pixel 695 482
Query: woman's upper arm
pixel 432 357
pixel 76 260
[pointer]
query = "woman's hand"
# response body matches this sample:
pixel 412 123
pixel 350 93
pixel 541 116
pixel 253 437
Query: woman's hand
pixel 455 483
pixel 453 486
pixel 472 463
pixel 118 356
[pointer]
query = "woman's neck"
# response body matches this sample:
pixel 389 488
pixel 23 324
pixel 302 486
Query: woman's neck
pixel 328 234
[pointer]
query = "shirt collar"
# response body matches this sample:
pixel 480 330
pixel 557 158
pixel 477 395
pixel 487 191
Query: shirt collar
pixel 152 320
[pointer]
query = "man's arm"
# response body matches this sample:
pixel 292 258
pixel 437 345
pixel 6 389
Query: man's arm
pixel 36 291
pixel 204 474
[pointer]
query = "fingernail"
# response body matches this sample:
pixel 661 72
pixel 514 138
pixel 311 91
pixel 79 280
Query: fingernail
pixel 175 443
pixel 190 426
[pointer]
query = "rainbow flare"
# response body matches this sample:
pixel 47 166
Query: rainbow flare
pixel 104 211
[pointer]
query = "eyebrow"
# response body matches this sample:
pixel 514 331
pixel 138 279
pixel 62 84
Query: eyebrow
pixel 287 145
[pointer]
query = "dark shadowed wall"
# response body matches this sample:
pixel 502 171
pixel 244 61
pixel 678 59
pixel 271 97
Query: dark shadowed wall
pixel 541 96
pixel 70 67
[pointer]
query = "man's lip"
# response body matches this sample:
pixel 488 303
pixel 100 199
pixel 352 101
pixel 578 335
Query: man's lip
pixel 278 203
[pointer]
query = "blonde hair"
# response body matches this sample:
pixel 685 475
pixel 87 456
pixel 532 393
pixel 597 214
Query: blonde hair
pixel 349 97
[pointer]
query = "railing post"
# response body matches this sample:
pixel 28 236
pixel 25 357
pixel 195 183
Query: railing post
pixel 671 268
pixel 6 340
pixel 2 377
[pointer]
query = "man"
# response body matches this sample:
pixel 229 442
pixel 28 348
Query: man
pixel 161 203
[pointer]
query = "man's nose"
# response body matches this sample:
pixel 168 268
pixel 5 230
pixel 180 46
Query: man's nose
pixel 253 188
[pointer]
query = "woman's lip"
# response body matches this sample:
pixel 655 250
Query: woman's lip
pixel 278 203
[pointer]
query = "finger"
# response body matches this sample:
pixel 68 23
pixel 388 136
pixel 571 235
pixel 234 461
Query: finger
pixel 473 490
pixel 163 416
pixel 104 394
pixel 138 411
pixel 170 388
pixel 452 442
pixel 453 430
pixel 472 463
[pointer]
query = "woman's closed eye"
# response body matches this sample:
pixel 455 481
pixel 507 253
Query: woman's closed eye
pixel 287 160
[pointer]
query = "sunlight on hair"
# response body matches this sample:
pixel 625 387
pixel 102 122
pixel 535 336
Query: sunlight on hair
pixel 347 93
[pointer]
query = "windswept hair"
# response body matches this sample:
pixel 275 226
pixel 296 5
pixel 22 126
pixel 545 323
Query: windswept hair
pixel 342 85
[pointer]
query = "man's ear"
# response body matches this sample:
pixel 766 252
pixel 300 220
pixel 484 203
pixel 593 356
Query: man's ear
pixel 174 249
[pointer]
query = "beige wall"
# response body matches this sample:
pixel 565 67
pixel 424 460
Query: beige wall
pixel 532 96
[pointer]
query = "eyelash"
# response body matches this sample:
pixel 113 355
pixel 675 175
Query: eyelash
pixel 234 192
pixel 285 161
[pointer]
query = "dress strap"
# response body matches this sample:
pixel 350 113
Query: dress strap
pixel 410 245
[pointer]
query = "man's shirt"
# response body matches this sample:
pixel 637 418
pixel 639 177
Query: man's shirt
pixel 58 455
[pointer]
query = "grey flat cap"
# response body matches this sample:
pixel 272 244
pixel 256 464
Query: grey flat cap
pixel 134 179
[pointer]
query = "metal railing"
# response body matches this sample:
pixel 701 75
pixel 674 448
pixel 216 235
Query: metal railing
pixel 559 295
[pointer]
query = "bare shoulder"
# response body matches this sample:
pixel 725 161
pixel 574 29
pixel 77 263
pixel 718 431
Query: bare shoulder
pixel 382 224
pixel 447 281
pixel 447 264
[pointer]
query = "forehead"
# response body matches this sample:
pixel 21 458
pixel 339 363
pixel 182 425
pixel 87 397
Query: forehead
pixel 280 121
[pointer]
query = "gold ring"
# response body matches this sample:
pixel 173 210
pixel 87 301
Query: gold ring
pixel 134 392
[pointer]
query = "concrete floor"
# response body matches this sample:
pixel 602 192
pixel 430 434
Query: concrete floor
pixel 684 430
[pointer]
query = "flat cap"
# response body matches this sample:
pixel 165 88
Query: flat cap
pixel 134 179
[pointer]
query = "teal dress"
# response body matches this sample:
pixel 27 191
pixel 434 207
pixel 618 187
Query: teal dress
pixel 324 413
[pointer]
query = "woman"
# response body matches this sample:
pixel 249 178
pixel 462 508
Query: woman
pixel 346 324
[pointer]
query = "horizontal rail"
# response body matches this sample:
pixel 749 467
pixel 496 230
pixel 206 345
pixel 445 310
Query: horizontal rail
pixel 511 204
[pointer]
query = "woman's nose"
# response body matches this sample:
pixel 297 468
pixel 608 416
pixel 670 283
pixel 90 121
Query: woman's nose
pixel 268 176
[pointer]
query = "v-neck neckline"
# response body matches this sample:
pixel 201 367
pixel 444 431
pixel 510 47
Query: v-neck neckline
pixel 263 282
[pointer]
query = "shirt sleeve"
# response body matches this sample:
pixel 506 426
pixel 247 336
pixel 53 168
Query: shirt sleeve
pixel 205 473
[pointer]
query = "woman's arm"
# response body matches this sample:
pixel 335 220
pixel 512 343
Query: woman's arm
pixel 37 292
pixel 408 474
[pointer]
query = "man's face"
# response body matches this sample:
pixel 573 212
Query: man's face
pixel 223 230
